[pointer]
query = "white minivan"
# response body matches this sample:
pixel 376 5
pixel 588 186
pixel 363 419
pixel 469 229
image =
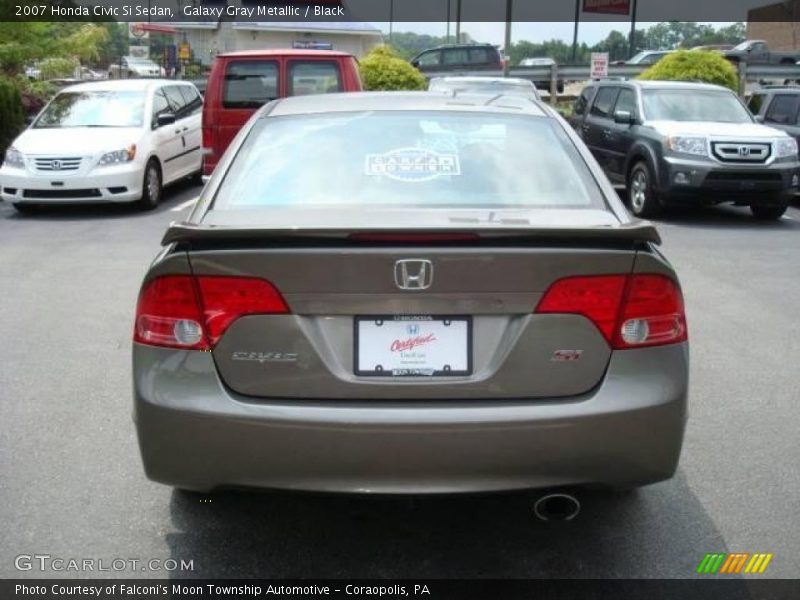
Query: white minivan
pixel 106 141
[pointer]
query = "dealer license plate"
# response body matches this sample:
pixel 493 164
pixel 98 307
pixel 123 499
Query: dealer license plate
pixel 413 346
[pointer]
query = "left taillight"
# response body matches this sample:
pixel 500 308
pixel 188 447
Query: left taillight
pixel 181 311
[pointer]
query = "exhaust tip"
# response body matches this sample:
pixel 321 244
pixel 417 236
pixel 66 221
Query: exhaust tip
pixel 557 507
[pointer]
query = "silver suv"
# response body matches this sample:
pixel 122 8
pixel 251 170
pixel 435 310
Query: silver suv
pixel 677 142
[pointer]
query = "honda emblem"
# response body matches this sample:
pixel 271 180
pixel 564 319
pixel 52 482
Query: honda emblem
pixel 413 274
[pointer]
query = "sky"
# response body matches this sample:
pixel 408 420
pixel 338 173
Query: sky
pixel 494 33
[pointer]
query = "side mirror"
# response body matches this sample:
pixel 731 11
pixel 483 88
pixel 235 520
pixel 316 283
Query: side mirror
pixel 165 119
pixel 623 117
pixel 415 64
pixel 759 118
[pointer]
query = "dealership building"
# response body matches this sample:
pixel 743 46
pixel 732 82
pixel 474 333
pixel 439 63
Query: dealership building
pixel 208 39
pixel 777 24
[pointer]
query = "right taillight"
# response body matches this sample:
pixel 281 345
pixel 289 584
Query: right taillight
pixel 182 311
pixel 631 311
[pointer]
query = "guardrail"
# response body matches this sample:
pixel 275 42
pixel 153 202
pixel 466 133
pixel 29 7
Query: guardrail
pixel 555 73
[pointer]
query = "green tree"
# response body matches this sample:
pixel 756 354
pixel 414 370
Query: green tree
pixel 12 117
pixel 22 42
pixel 709 67
pixel 382 69
pixel 115 45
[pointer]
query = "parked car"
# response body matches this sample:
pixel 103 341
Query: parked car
pixel 108 141
pixel 241 82
pixel 508 86
pixel 395 293
pixel 778 107
pixel 133 66
pixel 671 142
pixel 544 84
pixel 713 48
pixel 757 52
pixel 459 57
pixel 645 57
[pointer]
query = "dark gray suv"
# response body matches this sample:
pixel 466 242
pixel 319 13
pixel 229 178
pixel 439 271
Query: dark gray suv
pixel 677 142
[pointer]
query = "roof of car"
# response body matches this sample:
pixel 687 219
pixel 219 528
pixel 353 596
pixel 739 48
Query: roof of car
pixel 666 85
pixel 414 101
pixel 284 52
pixel 782 89
pixel 489 80
pixel 446 46
pixel 131 85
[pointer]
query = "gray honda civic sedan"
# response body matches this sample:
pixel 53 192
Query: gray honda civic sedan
pixel 409 293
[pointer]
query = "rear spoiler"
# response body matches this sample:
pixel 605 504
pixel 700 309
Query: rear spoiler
pixel 636 231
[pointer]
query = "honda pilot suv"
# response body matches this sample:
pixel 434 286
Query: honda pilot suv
pixel 677 142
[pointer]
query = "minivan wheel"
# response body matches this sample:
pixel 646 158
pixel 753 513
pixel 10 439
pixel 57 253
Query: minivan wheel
pixel 768 212
pixel 642 197
pixel 151 186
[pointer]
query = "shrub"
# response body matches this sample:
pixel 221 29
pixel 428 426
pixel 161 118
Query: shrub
pixel 12 119
pixel 56 68
pixel 708 67
pixel 35 94
pixel 382 69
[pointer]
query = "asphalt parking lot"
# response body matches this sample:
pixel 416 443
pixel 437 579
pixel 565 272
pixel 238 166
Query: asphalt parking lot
pixel 71 482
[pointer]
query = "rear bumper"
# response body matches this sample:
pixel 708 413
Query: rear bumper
pixel 196 434
pixel 707 181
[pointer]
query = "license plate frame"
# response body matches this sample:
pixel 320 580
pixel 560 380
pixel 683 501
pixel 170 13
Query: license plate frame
pixel 402 372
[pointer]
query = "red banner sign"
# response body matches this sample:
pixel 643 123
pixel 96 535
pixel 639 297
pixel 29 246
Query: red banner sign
pixel 612 7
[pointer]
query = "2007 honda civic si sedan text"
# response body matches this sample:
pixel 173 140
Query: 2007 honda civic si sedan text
pixel 409 293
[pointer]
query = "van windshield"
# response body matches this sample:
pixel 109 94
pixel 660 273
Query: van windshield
pixel 93 109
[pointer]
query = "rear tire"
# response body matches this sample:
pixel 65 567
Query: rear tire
pixel 151 186
pixel 642 197
pixel 768 213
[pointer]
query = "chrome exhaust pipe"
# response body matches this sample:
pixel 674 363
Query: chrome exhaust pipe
pixel 557 507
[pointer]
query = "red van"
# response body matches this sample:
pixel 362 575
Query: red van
pixel 241 82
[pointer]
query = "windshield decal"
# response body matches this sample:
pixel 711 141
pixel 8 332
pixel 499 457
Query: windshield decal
pixel 412 164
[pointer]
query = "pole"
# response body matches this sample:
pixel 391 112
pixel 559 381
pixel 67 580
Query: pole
pixel 575 35
pixel 458 21
pixel 632 41
pixel 507 45
pixel 391 20
pixel 447 39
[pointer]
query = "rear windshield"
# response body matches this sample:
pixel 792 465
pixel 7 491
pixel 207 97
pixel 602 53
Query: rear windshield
pixel 250 83
pixel 407 159
pixel 694 105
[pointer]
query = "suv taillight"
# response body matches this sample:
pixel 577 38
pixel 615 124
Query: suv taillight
pixel 631 311
pixel 181 311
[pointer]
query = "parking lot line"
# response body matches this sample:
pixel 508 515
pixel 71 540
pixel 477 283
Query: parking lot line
pixel 184 205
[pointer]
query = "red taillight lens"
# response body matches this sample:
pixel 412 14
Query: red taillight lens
pixel 596 298
pixel 631 311
pixel 179 311
pixel 208 140
pixel 225 299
